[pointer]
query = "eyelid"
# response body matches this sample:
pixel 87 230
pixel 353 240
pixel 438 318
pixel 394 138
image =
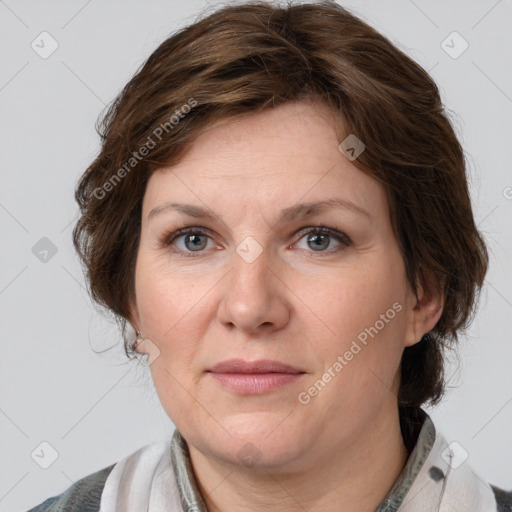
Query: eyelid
pixel 172 234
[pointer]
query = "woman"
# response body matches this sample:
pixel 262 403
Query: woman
pixel 280 211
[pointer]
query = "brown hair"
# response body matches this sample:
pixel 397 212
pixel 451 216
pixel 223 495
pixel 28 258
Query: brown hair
pixel 245 58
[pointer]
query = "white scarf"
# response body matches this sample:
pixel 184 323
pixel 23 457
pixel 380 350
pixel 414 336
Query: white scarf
pixel 147 481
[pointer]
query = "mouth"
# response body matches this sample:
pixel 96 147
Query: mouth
pixel 254 378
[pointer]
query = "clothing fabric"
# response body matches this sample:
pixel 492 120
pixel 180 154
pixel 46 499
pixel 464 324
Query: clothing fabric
pixel 83 496
pixel 159 478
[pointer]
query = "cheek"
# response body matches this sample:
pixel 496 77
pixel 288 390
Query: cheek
pixel 357 301
pixel 166 299
pixel 171 310
pixel 361 313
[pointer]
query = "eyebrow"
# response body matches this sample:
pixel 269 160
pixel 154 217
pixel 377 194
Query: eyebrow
pixel 298 211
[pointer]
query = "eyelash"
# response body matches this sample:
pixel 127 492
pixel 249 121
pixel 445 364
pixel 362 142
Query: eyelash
pixel 168 238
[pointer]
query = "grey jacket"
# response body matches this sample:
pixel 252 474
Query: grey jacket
pixel 83 496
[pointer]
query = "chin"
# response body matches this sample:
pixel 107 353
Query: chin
pixel 257 441
pixel 264 455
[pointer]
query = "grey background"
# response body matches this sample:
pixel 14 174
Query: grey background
pixel 92 408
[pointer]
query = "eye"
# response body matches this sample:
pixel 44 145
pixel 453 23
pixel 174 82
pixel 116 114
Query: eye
pixel 193 240
pixel 187 241
pixel 319 238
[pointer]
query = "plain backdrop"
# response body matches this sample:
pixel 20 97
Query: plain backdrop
pixel 62 400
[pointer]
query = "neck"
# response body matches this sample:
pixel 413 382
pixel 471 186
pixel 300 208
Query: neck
pixel 354 478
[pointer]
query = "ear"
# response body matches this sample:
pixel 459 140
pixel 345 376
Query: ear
pixel 134 318
pixel 425 309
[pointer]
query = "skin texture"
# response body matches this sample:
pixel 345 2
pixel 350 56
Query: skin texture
pixel 295 303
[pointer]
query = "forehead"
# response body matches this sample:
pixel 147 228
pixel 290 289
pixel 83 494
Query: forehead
pixel 264 162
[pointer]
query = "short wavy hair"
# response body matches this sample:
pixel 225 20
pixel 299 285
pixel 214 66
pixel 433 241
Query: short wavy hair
pixel 246 58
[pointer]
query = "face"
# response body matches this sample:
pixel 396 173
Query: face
pixel 313 299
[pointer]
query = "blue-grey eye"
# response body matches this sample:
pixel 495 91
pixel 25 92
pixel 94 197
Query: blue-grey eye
pixel 195 242
pixel 318 241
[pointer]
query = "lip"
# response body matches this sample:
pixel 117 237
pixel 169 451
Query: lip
pixel 260 366
pixel 254 377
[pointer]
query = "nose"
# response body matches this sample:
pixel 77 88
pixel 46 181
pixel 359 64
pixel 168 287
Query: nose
pixel 255 298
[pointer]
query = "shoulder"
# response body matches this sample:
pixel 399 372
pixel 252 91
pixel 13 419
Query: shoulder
pixel 86 494
pixel 503 499
pixel 83 496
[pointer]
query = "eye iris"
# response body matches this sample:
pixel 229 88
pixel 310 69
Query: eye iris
pixel 319 245
pixel 195 241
